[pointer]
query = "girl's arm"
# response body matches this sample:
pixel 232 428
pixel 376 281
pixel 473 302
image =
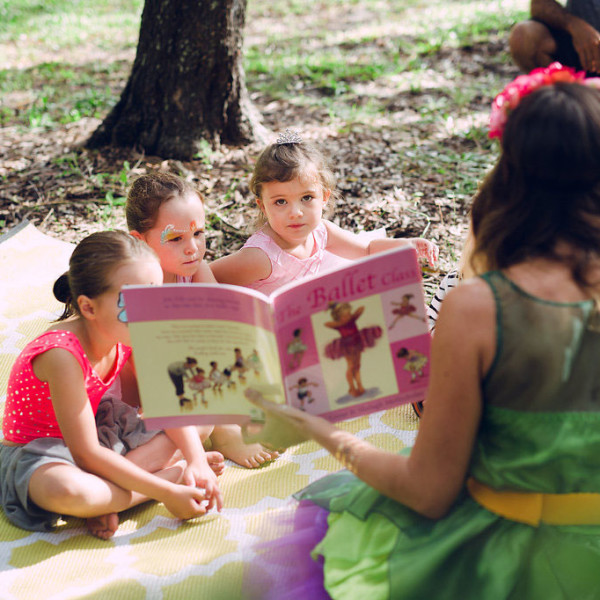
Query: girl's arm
pixel 243 267
pixel 76 420
pixel 429 480
pixel 198 473
pixel 359 311
pixel 351 246
pixel 345 243
pixel 203 274
pixel 186 439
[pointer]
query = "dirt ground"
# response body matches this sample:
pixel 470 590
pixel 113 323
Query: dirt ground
pixel 409 172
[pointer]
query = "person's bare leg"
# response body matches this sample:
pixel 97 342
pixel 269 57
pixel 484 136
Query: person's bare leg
pixel 531 45
pixel 228 440
pixel 66 489
pixel 216 461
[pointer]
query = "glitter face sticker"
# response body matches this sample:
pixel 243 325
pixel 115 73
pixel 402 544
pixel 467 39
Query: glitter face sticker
pixel 169 232
pixel 122 316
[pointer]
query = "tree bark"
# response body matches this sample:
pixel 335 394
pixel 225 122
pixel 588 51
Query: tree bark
pixel 187 83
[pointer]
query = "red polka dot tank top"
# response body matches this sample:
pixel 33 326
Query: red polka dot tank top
pixel 28 411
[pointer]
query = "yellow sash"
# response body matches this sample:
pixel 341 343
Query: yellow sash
pixel 533 508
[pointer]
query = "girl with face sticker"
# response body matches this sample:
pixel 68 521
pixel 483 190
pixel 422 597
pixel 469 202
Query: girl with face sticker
pixel 167 213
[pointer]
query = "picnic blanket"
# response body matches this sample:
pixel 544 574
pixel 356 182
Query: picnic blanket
pixel 152 555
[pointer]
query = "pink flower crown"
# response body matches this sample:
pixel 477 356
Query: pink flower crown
pixel 510 97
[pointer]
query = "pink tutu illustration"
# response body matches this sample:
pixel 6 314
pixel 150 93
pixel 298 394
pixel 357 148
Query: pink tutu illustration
pixel 351 343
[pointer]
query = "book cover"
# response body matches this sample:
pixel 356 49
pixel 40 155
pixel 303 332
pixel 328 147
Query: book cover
pixel 340 345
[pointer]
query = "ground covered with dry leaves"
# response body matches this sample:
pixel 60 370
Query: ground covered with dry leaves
pixel 397 97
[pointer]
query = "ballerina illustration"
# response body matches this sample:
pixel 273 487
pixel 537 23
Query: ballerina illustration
pixel 198 384
pixel 239 364
pixel 216 377
pixel 227 377
pixel 405 309
pixel 351 343
pixel 414 362
pixel 304 394
pixel 296 349
pixel 253 361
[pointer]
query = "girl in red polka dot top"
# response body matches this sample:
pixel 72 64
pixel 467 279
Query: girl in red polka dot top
pixel 51 461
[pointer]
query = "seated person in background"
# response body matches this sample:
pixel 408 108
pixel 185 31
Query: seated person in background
pixel 569 34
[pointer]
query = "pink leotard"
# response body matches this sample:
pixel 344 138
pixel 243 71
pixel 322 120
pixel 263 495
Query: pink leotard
pixel 28 411
pixel 285 267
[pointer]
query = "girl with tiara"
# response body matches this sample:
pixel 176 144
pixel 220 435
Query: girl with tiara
pixel 500 495
pixel 51 461
pixel 293 186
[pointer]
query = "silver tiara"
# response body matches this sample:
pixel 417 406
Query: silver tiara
pixel 289 137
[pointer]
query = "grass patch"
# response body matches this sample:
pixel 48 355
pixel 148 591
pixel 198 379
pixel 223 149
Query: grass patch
pixel 66 23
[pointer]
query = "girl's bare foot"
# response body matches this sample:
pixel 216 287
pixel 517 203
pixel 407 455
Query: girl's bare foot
pixel 104 526
pixel 216 462
pixel 228 439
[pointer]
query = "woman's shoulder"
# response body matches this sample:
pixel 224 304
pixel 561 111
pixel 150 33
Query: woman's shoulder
pixel 472 296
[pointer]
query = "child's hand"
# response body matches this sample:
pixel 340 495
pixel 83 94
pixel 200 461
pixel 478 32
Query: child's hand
pixel 185 502
pixel 202 476
pixel 426 249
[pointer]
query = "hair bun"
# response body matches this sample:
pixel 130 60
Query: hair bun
pixel 62 289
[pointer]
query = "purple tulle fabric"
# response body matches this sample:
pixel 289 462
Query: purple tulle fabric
pixel 293 572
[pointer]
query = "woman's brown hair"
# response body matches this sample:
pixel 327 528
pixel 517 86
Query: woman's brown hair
pixel 545 187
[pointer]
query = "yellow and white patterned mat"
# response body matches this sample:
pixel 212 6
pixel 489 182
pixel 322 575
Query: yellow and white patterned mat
pixel 152 555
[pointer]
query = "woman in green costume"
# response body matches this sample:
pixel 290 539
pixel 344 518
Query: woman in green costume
pixel 500 495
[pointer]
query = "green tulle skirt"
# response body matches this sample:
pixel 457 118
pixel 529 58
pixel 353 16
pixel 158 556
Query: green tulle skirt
pixel 376 548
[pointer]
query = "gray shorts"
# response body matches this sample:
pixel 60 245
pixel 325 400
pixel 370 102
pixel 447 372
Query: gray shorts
pixel 119 428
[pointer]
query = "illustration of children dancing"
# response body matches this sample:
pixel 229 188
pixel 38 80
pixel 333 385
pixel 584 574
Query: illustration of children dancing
pixel 227 379
pixel 198 384
pixel 216 377
pixel 304 393
pixel 296 349
pixel 240 364
pixel 415 362
pixel 254 362
pixel 351 343
pixel 405 309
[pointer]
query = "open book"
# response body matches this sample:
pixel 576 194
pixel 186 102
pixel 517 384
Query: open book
pixel 342 344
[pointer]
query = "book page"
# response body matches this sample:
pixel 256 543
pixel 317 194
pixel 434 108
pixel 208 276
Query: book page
pixel 197 347
pixel 356 340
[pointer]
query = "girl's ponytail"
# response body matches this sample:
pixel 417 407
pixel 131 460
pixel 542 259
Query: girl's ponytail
pixel 62 292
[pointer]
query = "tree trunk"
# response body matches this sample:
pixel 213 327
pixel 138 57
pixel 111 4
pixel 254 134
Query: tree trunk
pixel 187 83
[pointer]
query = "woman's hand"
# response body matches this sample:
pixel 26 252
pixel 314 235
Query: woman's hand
pixel 284 426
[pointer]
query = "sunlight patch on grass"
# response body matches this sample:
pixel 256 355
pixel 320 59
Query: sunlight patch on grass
pixel 55 25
